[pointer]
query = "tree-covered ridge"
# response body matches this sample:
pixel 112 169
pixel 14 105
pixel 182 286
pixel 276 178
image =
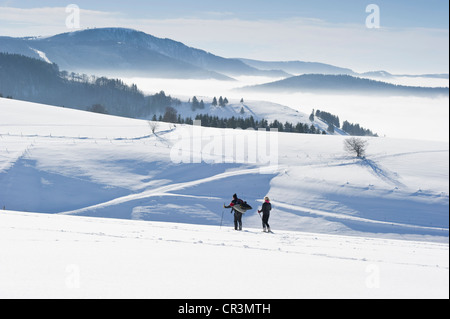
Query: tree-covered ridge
pixel 37 81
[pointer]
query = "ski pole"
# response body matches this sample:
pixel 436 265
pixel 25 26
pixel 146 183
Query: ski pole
pixel 221 219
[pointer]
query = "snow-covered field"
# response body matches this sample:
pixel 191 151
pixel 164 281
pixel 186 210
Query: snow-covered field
pixel 344 227
pixel 54 256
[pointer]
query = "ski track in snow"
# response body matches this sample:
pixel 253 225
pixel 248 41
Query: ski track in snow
pixel 349 217
pixel 164 190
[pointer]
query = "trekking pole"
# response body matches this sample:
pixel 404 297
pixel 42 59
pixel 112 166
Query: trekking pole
pixel 221 219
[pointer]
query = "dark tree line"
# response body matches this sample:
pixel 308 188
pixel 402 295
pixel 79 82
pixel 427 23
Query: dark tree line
pixel 250 122
pixel 171 116
pixel 329 118
pixel 200 105
pixel 195 104
pixel 356 130
pixel 333 121
pixel 37 81
pixel 221 102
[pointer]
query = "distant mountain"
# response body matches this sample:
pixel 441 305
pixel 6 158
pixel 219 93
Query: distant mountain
pixel 299 67
pixel 430 76
pixel 343 84
pixel 387 75
pixel 119 51
pixel 377 74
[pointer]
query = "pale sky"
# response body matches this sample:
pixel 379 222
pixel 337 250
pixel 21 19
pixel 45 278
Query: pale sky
pixel 413 35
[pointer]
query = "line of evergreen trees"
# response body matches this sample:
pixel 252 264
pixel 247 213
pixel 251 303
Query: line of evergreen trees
pixel 356 130
pixel 221 102
pixel 200 105
pixel 196 105
pixel 37 81
pixel 207 120
pixel 329 118
pixel 237 122
pixel 333 121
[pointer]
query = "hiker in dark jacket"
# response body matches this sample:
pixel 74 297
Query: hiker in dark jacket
pixel 237 214
pixel 266 208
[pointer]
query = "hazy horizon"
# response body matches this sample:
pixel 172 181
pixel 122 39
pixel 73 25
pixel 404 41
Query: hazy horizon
pixel 411 38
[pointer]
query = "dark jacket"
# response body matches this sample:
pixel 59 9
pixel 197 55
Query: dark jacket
pixel 234 202
pixel 266 208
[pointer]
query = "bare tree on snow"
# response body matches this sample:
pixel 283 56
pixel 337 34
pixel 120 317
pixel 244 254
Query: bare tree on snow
pixel 356 145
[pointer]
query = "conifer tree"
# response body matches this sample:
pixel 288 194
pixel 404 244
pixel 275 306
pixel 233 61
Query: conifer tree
pixel 311 117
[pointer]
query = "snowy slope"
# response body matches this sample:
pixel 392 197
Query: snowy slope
pixel 259 110
pixel 56 160
pixel 344 228
pixel 54 256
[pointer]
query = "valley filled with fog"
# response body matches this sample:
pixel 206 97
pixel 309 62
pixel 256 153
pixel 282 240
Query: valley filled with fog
pixel 420 118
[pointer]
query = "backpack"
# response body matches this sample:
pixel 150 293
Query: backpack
pixel 243 205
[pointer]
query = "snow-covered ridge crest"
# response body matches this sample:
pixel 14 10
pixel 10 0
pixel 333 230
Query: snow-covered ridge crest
pixel 42 55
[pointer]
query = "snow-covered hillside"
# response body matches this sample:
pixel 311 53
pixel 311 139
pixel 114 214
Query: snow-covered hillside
pixel 259 110
pixel 57 160
pixel 344 227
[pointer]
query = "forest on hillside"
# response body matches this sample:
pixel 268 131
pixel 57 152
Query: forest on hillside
pixel 34 80
pixel 37 81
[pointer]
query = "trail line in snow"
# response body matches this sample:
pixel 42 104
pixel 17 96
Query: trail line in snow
pixel 349 217
pixel 164 190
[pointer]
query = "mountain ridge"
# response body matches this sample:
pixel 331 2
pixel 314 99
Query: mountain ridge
pixel 340 84
pixel 122 51
pixel 114 51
